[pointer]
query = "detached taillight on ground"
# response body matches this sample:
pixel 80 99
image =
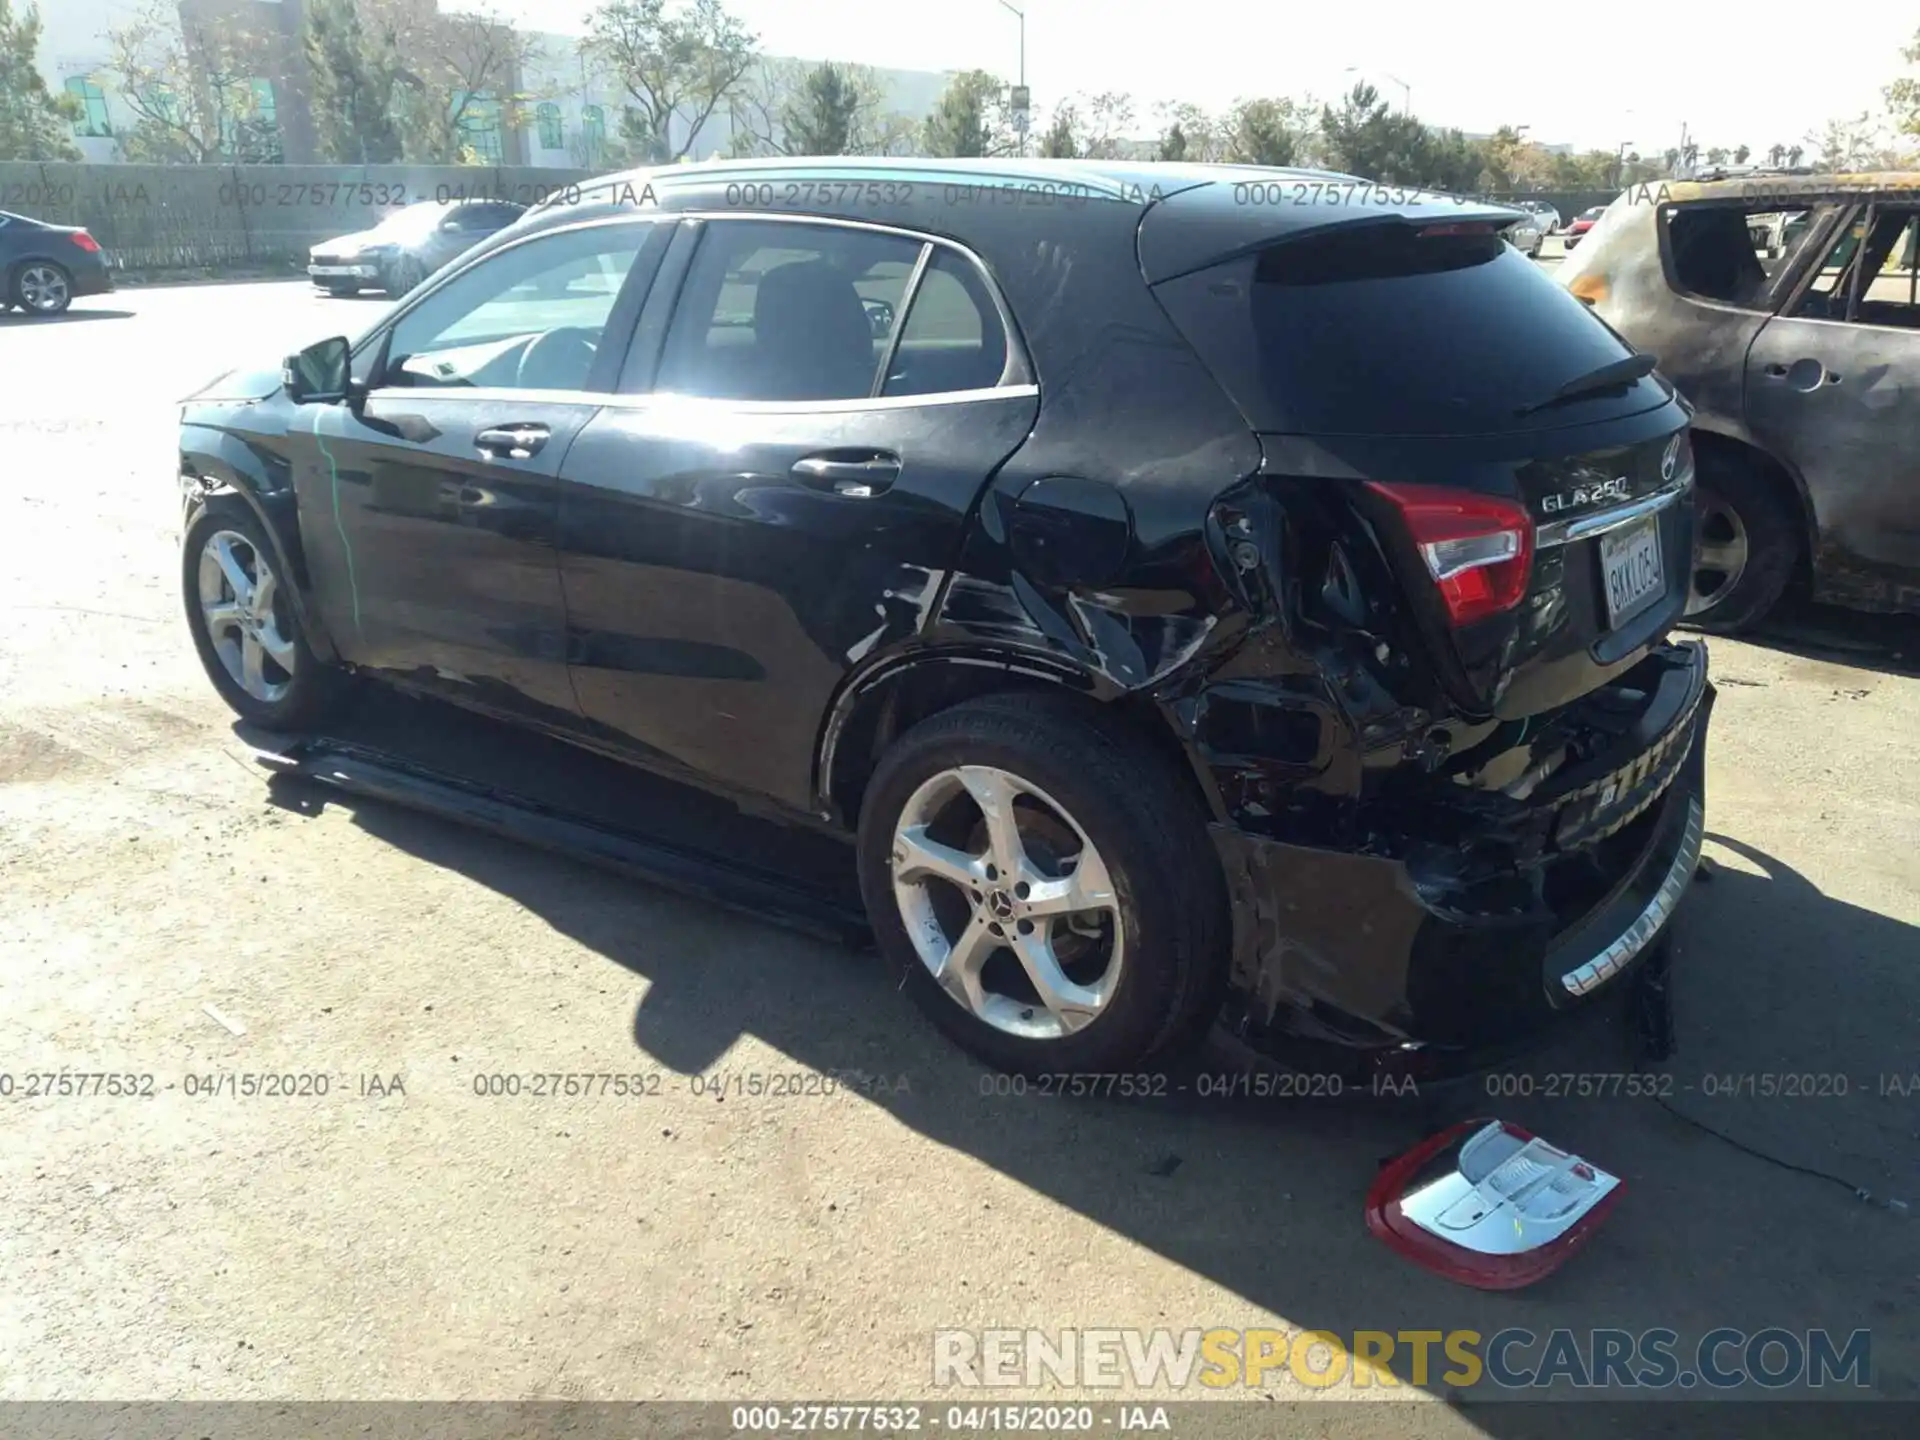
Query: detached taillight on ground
pixel 85 241
pixel 1489 1205
pixel 1478 548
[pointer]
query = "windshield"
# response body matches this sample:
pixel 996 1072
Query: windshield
pixel 414 220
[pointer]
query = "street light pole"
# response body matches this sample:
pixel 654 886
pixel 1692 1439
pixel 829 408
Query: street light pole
pixel 1021 16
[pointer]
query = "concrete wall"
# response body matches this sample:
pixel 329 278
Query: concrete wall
pixel 148 216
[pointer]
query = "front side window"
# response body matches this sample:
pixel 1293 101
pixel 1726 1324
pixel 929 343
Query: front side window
pixel 786 312
pixel 530 317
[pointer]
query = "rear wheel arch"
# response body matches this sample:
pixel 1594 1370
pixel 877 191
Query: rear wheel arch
pixel 1714 448
pixel 875 710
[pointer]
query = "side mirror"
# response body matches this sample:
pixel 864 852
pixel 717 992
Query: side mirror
pixel 319 374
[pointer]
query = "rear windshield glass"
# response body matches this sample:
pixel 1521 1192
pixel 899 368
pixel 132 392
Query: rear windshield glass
pixel 1386 330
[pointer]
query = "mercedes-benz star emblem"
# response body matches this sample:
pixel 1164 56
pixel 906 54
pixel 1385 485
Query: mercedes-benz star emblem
pixel 1001 904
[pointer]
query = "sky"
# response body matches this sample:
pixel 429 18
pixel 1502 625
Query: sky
pixel 1574 71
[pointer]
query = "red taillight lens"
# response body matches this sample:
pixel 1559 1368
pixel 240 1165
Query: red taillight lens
pixel 1478 548
pixel 86 242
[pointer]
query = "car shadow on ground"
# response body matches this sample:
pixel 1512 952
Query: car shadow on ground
pixel 1264 1197
pixel 1887 643
pixel 15 317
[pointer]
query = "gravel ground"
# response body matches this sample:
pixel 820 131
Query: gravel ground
pixel 405 1237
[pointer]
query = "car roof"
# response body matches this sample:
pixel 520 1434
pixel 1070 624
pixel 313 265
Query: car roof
pixel 1787 184
pixel 1134 181
pixel 1214 211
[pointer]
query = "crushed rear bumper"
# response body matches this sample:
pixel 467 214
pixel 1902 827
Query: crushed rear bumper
pixel 1410 963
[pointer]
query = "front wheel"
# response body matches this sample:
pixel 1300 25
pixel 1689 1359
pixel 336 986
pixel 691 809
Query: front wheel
pixel 1045 884
pixel 405 273
pixel 245 627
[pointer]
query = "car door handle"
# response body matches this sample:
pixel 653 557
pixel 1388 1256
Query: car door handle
pixel 857 474
pixel 511 442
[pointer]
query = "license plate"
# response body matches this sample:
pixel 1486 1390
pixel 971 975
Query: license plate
pixel 1631 570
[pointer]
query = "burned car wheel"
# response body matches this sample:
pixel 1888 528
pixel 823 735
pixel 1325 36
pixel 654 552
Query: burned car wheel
pixel 245 627
pixel 1045 884
pixel 1745 547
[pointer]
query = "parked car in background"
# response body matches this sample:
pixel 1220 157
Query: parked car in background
pixel 1582 223
pixel 1152 665
pixel 1802 370
pixel 1549 217
pixel 44 268
pixel 1526 235
pixel 1773 234
pixel 407 246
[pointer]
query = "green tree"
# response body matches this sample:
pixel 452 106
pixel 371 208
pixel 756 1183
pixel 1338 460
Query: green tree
pixel 351 79
pixel 970 118
pixel 1903 95
pixel 193 88
pixel 1173 144
pixel 1365 137
pixel 793 108
pixel 1262 132
pixel 824 117
pixel 1058 143
pixel 34 124
pixel 1741 154
pixel 686 62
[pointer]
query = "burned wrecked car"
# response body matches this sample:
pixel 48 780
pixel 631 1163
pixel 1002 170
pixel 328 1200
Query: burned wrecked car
pixel 1186 609
pixel 1785 307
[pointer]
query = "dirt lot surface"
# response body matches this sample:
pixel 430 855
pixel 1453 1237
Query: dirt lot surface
pixel 403 1236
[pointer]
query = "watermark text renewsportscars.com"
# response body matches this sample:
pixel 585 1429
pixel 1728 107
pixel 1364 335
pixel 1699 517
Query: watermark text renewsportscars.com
pixel 1197 1360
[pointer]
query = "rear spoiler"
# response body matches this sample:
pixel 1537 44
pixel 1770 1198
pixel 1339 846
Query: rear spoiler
pixel 1212 224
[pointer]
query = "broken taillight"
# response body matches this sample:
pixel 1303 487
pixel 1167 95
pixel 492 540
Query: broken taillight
pixel 1487 1204
pixel 1478 548
pixel 85 241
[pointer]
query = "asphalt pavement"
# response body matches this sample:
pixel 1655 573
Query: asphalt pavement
pixel 417 1232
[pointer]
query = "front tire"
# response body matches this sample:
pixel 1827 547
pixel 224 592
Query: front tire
pixel 1045 884
pixel 245 626
pixel 403 275
pixel 1747 543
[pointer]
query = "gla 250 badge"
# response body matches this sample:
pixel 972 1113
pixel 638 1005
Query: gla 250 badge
pixel 1614 489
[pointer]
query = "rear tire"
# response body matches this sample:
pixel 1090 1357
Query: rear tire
pixel 41 287
pixel 240 611
pixel 1137 975
pixel 1748 541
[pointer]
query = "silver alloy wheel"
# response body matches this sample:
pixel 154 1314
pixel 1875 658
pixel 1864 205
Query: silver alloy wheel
pixel 245 613
pixel 1720 552
pixel 968 905
pixel 44 289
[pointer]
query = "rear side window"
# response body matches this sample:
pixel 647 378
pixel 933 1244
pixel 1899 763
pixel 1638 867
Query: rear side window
pixel 952 339
pixel 1396 329
pixel 786 312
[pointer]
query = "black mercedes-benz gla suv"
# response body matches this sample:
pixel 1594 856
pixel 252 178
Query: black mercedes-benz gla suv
pixel 1204 592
